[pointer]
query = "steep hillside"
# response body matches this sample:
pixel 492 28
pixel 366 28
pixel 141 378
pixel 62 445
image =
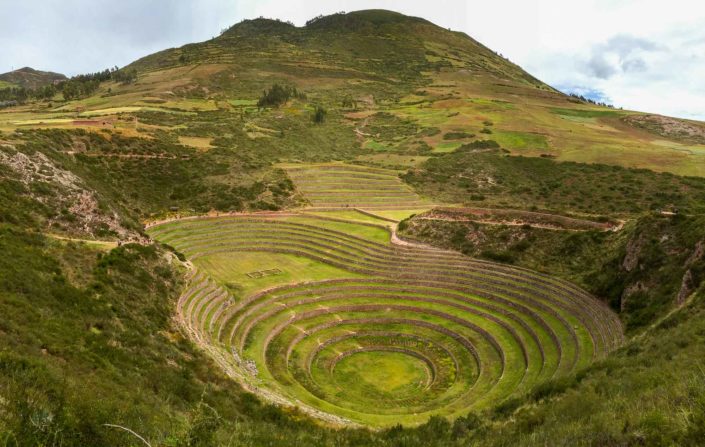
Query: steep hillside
pixel 374 46
pixel 392 85
pixel 30 78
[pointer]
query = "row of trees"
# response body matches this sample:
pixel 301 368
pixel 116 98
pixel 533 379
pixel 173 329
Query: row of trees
pixel 590 101
pixel 74 89
pixel 109 74
pixel 21 95
pixel 77 87
pixel 278 95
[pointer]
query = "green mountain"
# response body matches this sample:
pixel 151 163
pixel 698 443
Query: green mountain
pixel 30 78
pixel 368 230
pixel 375 45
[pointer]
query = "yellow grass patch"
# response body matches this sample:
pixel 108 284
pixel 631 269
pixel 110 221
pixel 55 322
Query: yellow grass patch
pixel 200 143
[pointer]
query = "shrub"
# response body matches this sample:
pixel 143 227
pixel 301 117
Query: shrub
pixel 457 135
pixel 498 256
pixel 319 114
pixel 278 95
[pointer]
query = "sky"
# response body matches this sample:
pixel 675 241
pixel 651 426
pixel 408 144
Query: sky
pixel 643 55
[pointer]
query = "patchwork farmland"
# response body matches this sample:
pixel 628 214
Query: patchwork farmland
pixel 327 314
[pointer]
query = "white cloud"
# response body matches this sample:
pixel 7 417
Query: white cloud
pixel 639 54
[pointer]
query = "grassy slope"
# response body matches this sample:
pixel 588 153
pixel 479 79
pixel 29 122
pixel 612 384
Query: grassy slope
pixel 492 178
pixel 649 393
pixel 29 78
pixel 426 82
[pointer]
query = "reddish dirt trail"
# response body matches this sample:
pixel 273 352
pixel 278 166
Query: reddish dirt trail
pixel 514 218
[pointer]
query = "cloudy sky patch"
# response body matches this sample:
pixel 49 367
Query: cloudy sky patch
pixel 638 54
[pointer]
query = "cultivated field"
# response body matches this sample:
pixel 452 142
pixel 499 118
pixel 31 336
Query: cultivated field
pixel 336 185
pixel 326 314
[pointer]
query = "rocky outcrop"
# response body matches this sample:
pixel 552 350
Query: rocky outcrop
pixel 687 287
pixel 688 283
pixel 68 194
pixel 631 259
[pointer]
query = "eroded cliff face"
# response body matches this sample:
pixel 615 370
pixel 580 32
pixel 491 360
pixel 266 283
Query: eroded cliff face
pixel 691 282
pixel 70 206
pixel 666 255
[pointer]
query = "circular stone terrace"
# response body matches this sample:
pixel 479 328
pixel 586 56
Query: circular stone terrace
pixel 323 311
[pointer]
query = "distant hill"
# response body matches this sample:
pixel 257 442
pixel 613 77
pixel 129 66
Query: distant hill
pixel 30 78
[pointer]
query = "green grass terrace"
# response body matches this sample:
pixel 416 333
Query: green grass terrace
pixel 328 315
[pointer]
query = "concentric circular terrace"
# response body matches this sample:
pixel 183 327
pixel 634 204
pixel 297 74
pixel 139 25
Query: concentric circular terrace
pixel 328 315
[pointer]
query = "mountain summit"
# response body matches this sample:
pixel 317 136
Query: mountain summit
pixel 374 45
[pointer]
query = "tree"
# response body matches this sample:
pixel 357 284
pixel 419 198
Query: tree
pixel 319 114
pixel 278 95
pixel 71 90
pixel 125 76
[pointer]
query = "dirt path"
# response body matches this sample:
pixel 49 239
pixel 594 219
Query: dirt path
pixel 129 156
pixel 563 223
pixel 106 245
pixel 513 223
pixel 360 134
pixel 396 240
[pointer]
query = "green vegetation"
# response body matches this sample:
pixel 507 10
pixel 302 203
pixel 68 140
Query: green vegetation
pixel 457 135
pixel 278 95
pixel 155 176
pixel 177 397
pixel 483 331
pixel 319 114
pixel 641 270
pixel 515 181
pixel 85 332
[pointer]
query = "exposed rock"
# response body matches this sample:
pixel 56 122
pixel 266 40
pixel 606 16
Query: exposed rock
pixel 631 259
pixel 71 194
pixel 697 253
pixel 687 287
pixel 668 127
pixel 688 284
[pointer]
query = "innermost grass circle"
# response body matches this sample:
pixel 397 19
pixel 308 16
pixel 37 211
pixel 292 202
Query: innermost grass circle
pixel 382 373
